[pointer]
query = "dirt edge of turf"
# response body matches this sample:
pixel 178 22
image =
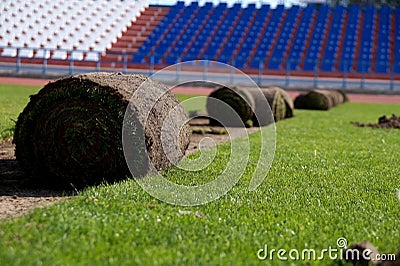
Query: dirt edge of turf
pixel 383 122
pixel 18 196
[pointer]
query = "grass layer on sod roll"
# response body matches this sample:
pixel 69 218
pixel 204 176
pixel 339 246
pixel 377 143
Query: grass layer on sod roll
pixel 329 179
pixel 71 131
pixel 14 98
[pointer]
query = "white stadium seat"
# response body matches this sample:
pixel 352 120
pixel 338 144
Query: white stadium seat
pixel 92 56
pixel 8 51
pixel 59 54
pixel 77 55
pixel 26 52
pixel 45 23
pixel 42 53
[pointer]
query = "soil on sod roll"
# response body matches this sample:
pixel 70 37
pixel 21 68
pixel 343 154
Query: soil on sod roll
pixel 383 122
pixel 71 131
pixel 262 115
pixel 239 100
pixel 288 101
pixel 320 99
pixel 276 102
pixel 249 103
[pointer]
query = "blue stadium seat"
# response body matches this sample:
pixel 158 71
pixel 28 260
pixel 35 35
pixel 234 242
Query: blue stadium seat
pixel 279 37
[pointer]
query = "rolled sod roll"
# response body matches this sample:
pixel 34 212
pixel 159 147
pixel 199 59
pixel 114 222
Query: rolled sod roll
pixel 241 101
pixel 262 98
pixel 337 97
pixel 288 101
pixel 268 105
pixel 319 99
pixel 276 102
pixel 344 95
pixel 249 103
pixel 71 131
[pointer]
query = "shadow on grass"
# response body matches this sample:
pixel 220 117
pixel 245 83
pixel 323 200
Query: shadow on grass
pixel 14 182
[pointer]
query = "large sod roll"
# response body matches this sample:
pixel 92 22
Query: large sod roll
pixel 276 103
pixel 240 100
pixel 71 131
pixel 249 103
pixel 288 101
pixel 320 99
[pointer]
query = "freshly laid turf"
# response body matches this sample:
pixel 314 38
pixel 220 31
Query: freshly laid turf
pixel 13 99
pixel 329 179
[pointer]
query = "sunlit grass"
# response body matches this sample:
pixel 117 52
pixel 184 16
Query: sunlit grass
pixel 13 99
pixel 329 179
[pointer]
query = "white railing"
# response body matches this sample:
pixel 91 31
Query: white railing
pixel 357 75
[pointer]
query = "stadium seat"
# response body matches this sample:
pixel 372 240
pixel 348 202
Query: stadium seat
pixel 45 23
pixel 8 51
pixel 25 52
pixel 60 54
pixel 309 37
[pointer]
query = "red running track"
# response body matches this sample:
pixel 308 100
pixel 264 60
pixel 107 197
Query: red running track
pixel 359 98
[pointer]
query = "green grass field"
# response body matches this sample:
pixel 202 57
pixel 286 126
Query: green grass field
pixel 13 99
pixel 329 179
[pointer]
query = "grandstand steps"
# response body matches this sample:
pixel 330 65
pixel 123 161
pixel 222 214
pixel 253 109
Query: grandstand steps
pixel 131 33
pixel 213 33
pixel 130 42
pixel 397 41
pixel 150 14
pixel 259 38
pixel 360 26
pixel 275 38
pixel 197 33
pixel 375 37
pixel 308 39
pixel 324 42
pixel 367 39
pixel 165 33
pixel 178 37
pixel 122 50
pixel 135 35
pixel 245 34
pixel 228 35
pixel 392 39
pixel 291 40
pixel 342 36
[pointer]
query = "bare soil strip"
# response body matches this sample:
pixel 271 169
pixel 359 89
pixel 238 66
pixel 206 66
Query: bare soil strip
pixel 17 196
pixel 383 122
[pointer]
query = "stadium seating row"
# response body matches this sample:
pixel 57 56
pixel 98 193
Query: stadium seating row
pixel 88 27
pixel 299 38
pixel 309 38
